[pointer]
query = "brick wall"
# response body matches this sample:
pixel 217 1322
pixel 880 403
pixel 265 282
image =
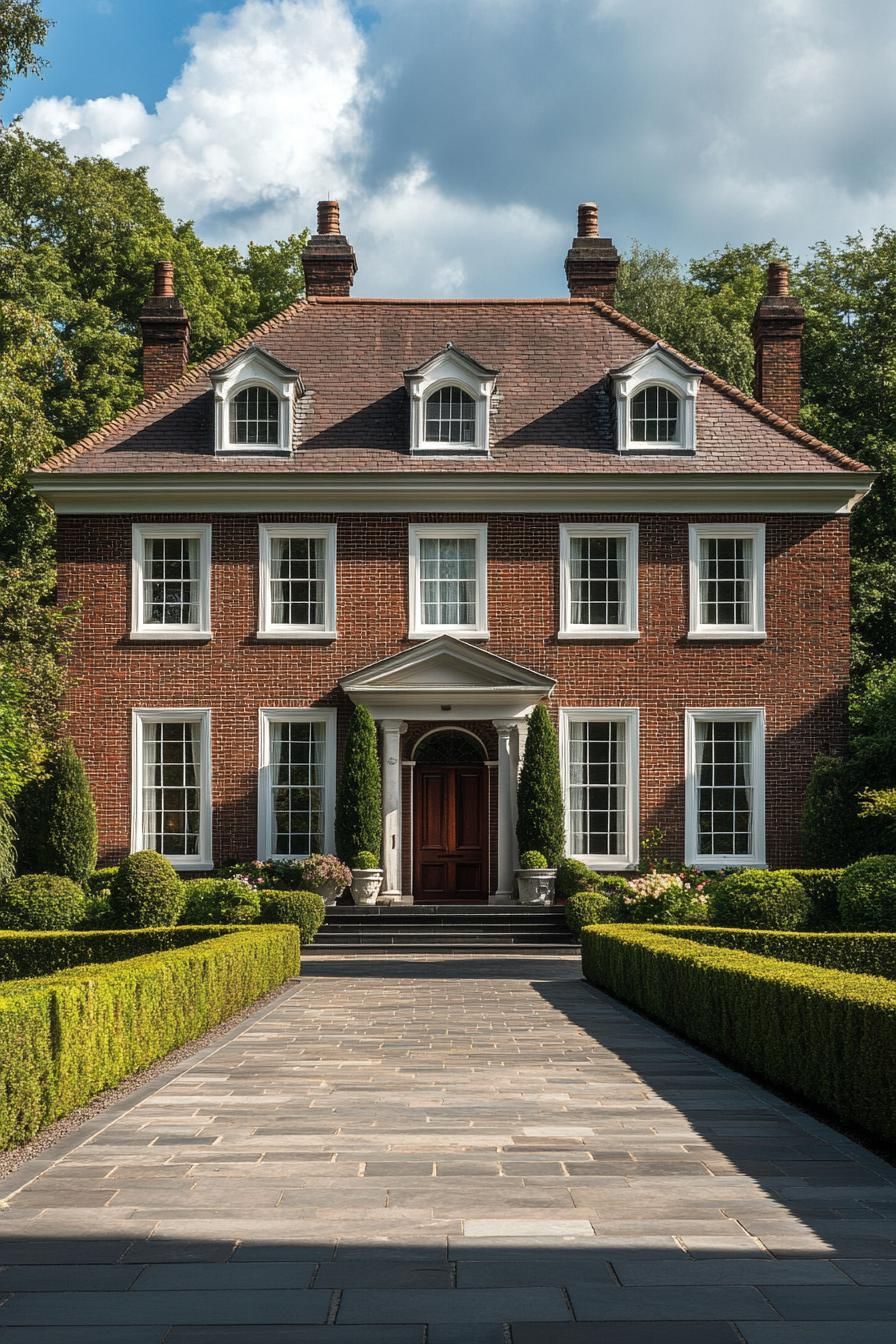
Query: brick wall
pixel 798 673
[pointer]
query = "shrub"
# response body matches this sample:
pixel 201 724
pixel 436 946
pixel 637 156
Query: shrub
pixel 533 859
pixel 866 894
pixel 97 914
pixel 41 901
pixel 319 870
pixel 304 908
pixel 757 899
pixel 66 1037
pixel 57 820
pixel 219 900
pixel 359 799
pixel 826 1036
pixel 820 885
pixel 663 898
pixel 99 883
pixel 829 811
pixel 7 844
pixel 31 954
pixel 861 953
pixel 587 907
pixel 145 891
pixel 572 876
pixel 540 824
pixel 365 859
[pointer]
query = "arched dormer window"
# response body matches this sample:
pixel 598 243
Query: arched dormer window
pixel 656 401
pixel 655 415
pixel 450 397
pixel 450 416
pixel 254 398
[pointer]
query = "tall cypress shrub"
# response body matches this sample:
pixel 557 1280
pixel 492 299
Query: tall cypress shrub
pixel 57 819
pixel 540 822
pixel 359 797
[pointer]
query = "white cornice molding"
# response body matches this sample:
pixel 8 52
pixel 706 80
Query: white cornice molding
pixel 293 492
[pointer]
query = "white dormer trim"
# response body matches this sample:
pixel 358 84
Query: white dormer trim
pixel 450 368
pixel 657 367
pixel 254 367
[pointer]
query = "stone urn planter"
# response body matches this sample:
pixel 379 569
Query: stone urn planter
pixel 366 884
pixel 535 885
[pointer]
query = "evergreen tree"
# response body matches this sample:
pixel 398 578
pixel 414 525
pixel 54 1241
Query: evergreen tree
pixel 57 820
pixel 540 823
pixel 359 798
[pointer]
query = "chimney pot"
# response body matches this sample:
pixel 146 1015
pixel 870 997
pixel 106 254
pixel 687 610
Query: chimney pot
pixel 778 281
pixel 163 280
pixel 329 259
pixel 166 333
pixel 592 263
pixel 588 220
pixel 327 217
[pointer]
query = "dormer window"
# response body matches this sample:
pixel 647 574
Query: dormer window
pixel 656 396
pixel 450 399
pixel 254 399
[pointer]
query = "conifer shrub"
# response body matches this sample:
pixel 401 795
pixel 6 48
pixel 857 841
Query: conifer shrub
pixel 304 908
pixel 359 797
pixel 866 894
pixel 41 901
pixel 540 824
pixel 219 900
pixel 755 898
pixel 146 892
pixel 57 819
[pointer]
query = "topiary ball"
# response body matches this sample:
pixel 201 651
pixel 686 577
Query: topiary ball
pixel 587 907
pixel 41 901
pixel 866 895
pixel 304 908
pixel 758 899
pixel 572 876
pixel 146 892
pixel 533 858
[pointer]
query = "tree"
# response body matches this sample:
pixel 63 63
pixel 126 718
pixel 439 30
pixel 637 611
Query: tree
pixel 20 744
pixel 359 804
pixel 540 824
pixel 57 819
pixel 22 30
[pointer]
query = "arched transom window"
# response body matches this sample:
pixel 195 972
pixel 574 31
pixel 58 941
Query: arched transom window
pixel 450 416
pixel 255 417
pixel 655 416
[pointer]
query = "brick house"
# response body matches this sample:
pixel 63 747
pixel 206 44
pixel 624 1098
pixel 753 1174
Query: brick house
pixel 449 511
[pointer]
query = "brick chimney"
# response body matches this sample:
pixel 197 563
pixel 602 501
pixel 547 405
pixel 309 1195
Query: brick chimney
pixel 592 263
pixel 778 340
pixel 329 259
pixel 166 333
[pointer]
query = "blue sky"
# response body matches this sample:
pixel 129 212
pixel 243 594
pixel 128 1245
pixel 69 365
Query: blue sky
pixel 461 134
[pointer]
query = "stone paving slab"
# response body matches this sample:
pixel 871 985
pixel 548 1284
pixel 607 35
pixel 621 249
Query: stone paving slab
pixel 450 1151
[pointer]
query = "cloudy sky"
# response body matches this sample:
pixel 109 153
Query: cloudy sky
pixel 461 134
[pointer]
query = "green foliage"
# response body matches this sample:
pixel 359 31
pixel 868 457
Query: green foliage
pixel 664 898
pixel 23 29
pixel 359 798
pixel 862 953
pixel 21 747
pixel 866 895
pixel 57 820
pixel 585 907
pixel 820 885
pixel 540 824
pixel 572 876
pixel 29 954
pixel 533 859
pixel 826 1036
pixel 7 844
pixel 41 901
pixel 365 858
pixel 828 805
pixel 65 1037
pixel 219 900
pixel 145 891
pixel 304 908
pixel 757 899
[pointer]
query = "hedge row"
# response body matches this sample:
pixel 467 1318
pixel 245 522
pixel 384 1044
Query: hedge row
pixel 31 954
pixel 66 1037
pixel 826 1036
pixel 860 953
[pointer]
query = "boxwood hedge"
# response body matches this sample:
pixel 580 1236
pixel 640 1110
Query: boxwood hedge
pixel 861 953
pixel 29 954
pixel 826 1036
pixel 67 1036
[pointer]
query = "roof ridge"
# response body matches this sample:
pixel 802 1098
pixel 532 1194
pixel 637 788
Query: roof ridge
pixel 734 393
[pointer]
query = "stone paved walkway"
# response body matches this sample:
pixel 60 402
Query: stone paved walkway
pixel 452 1152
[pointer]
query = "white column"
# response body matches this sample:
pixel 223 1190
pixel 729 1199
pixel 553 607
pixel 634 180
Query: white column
pixel 392 731
pixel 506 809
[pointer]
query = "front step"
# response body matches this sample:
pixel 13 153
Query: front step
pixel 382 930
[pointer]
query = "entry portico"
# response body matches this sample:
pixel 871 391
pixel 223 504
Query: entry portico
pixel 447 680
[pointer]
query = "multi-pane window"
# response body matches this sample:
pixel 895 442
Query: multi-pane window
pixel 725 770
pixel 295 794
pixel 450 417
pixel 255 417
pixel 171 795
pixel 600 764
pixel 170 577
pixel 298 580
pixel 598 581
pixel 727 581
pixel 448 579
pixel 654 416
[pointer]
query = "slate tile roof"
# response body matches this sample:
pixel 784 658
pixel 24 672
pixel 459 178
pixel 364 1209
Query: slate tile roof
pixel 551 410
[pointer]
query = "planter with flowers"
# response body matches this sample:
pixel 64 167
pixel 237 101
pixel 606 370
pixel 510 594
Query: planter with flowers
pixel 367 878
pixel 326 875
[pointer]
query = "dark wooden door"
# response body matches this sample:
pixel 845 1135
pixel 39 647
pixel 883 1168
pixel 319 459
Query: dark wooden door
pixel 449 833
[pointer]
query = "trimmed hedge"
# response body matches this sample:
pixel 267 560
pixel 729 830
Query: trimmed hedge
pixel 587 907
pixel 219 900
pixel 826 1036
pixel 755 898
pixel 25 955
pixel 304 908
pixel 145 891
pixel 866 894
pixel 860 953
pixel 66 1037
pixel 41 901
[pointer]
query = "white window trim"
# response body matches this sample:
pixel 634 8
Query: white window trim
pixel 755 716
pixel 264 840
pixel 140 534
pixel 253 368
pixel 449 369
pixel 632 719
pixel 630 629
pixel 266 627
pixel 756 628
pixel 657 368
pixel 139 719
pixel 417 531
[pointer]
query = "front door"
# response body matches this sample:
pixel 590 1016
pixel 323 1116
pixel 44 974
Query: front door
pixel 450 833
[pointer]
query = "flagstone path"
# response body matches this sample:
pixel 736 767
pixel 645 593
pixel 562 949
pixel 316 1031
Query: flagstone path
pixel 450 1151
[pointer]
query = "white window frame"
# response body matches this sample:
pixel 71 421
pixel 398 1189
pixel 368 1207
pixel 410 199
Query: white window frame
pixel 139 719
pixel 756 717
pixel 569 630
pixel 265 837
pixel 657 368
pixel 632 719
pixel 267 532
pixel 418 531
pixel 449 368
pixel 140 534
pixel 725 531
pixel 254 368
